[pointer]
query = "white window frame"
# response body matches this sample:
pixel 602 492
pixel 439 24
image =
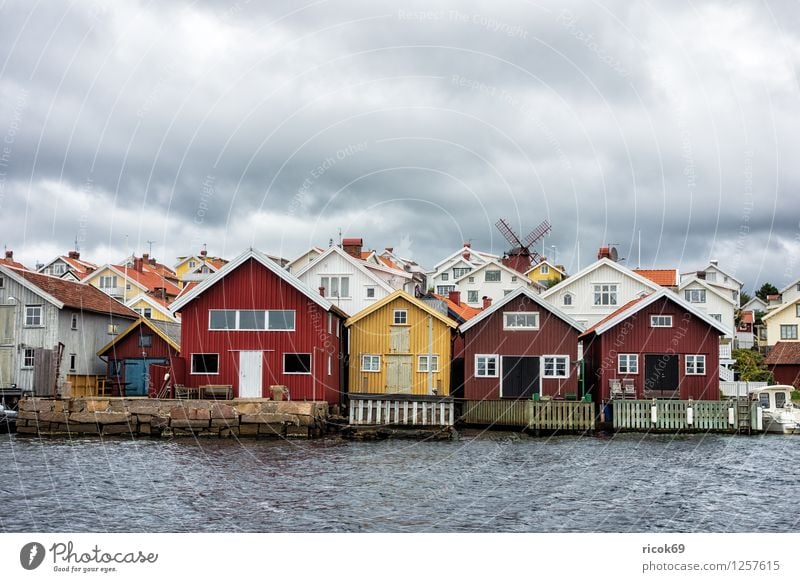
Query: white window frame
pixel 34 312
pixel 493 271
pixel 191 364
pixel 797 310
pixel 556 358
pixel 310 363
pixel 237 322
pixel 567 300
pixel 370 293
pixel 691 364
pixel 717 316
pixel 113 328
pixel 424 368
pixel 471 279
pixel 487 357
pixel 339 279
pixel 372 361
pixel 459 272
pixel 73 322
pixel 445 277
pixel 533 327
pixel 445 289
pixel 607 293
pixel 694 295
pixel 330 364
pixel 2 282
pixel 660 321
pixel 73 362
pixel 25 364
pixel 470 293
pixel 147 313
pixel 631 364
pixel 192 264
pixel 104 279
pixel 397 312
pixel 544 270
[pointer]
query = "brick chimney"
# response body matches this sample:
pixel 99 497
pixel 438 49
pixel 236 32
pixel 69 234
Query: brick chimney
pixel 455 297
pixel 137 264
pixel 389 249
pixel 487 301
pixel 603 253
pixel 160 292
pixel 203 253
pixel 353 246
pixel 322 291
pixel 10 255
pixel 74 255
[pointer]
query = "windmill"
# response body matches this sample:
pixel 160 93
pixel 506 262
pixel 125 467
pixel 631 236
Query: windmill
pixel 521 255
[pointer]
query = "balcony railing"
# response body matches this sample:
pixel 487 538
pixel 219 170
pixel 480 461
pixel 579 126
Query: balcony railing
pixel 113 291
pixel 725 352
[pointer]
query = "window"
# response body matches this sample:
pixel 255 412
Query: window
pixel 568 299
pixel 138 310
pixel 605 294
pixel 513 278
pixel 445 289
pixel 74 321
pixel 2 282
pixel 108 282
pixel 555 366
pixel 296 363
pixel 660 321
pixel 113 328
pixel 33 315
pixel 789 332
pixel 695 295
pixel 471 279
pixel 797 310
pixel 711 277
pixel 445 276
pixel 73 362
pixel 472 296
pixel 205 363
pixel 370 292
pixel 696 365
pixel 146 341
pixel 628 363
pixel 507 291
pixel 330 364
pixel 192 264
pixel 148 313
pixel 422 364
pixel 338 286
pixel 780 399
pixel 717 316
pixel 27 358
pixel 115 368
pixel 251 319
pixel 330 323
pixel 491 276
pixel 544 270
pixel 763 400
pixel 400 316
pixel 486 366
pixel 370 363
pixel 460 272
pixel 59 268
pixel 520 320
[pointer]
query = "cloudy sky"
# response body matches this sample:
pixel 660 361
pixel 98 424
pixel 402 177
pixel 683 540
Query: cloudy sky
pixel 413 125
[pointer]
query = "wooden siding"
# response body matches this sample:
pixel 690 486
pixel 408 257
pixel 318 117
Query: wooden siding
pixel 786 374
pixel 128 347
pixel 549 415
pixel 253 286
pixel 554 337
pixel 687 336
pixel 788 316
pixel 495 290
pixel 714 304
pixel 156 314
pixel 375 334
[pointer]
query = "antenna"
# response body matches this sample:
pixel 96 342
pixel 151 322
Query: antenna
pixel 150 247
pixel 340 236
pixel 639 262
pixel 76 243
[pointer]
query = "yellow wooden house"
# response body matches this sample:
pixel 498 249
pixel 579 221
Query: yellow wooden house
pixel 400 345
pixel 545 273
pixel 150 307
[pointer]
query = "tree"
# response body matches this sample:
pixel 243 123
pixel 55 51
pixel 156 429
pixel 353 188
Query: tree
pixel 750 366
pixel 744 297
pixel 766 289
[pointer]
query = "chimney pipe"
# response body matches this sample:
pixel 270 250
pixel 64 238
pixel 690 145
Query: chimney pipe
pixel 203 253
pixel 74 255
pixel 322 291
pixel 137 264
pixel 353 246
pixel 10 255
pixel 455 297
pixel 487 301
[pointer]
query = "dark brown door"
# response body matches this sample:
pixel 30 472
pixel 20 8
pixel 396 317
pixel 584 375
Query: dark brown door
pixel 661 374
pixel 520 377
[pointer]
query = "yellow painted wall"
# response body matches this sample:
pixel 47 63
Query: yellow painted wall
pixel 786 317
pixel 552 275
pixel 156 314
pixel 184 268
pixel 121 283
pixel 371 335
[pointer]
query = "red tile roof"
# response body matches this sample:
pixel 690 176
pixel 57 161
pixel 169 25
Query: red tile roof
pixel 748 317
pixel 784 353
pixel 150 278
pixel 188 287
pixel 13 264
pixel 461 309
pixel 611 316
pixel 663 277
pixel 79 266
pixel 77 295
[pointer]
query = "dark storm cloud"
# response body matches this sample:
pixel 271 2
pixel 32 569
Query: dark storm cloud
pixel 277 124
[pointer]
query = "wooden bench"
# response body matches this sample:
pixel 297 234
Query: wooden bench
pixel 186 392
pixel 216 392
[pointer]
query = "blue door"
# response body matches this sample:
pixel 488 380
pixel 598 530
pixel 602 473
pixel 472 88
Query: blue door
pixel 136 376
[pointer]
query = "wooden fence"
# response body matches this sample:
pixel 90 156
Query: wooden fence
pixel 398 411
pixel 541 415
pixel 684 415
pixel 734 389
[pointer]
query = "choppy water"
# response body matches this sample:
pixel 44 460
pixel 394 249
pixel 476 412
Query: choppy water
pixel 499 482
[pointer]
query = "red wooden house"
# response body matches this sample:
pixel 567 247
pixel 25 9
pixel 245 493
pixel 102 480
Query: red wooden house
pixel 783 360
pixel 252 325
pixel 143 343
pixel 656 346
pixel 520 348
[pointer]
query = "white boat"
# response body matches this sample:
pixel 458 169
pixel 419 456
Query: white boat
pixel 780 413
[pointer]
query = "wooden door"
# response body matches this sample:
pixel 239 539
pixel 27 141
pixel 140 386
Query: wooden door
pixel 520 378
pixel 398 374
pixel 250 374
pixel 399 339
pixel 661 374
pixel 7 320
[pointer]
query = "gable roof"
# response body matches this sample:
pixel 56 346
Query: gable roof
pixel 266 262
pixel 511 297
pixel 63 293
pixel 10 262
pixel 779 309
pixel 460 310
pixel 785 289
pixel 784 353
pixel 717 268
pixel 545 262
pixel 501 266
pixel 483 256
pixel 358 264
pixel 399 294
pixel 662 277
pixel 317 250
pixel 154 302
pixel 640 303
pixel 78 265
pixel 593 267
pixel 686 282
pixel 147 279
pixel 168 331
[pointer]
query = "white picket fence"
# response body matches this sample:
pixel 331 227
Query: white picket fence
pixel 733 389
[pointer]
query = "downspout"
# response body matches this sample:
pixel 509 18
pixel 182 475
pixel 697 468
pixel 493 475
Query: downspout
pixel 430 355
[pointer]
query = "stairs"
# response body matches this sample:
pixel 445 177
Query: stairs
pixel 743 408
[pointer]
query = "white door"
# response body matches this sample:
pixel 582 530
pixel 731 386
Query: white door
pixel 250 374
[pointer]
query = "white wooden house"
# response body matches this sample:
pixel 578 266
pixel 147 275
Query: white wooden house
pixel 441 279
pixel 711 300
pixel 298 263
pixel 69 266
pixel 44 318
pixel 598 290
pixel 493 281
pixel 783 322
pixel 723 281
pixel 755 304
pixel 790 292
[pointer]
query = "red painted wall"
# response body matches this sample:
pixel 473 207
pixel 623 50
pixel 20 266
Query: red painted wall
pixel 253 286
pixel 554 337
pixel 688 335
pixel 128 347
pixel 785 374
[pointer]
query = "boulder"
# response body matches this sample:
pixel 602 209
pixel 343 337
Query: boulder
pixel 99 417
pixel 223 411
pixel 96 405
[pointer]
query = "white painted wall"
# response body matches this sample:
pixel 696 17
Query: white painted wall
pixel 495 290
pixel 714 304
pixel 786 317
